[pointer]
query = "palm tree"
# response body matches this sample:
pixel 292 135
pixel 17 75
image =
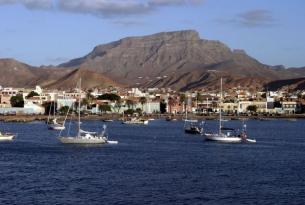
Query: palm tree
pixel 129 103
pixel 171 103
pixel 143 100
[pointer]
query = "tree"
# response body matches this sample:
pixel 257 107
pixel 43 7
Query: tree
pixel 32 94
pixel 162 107
pixel 143 100
pixel 118 105
pixel 252 108
pixel 129 112
pixel 139 111
pixel 109 96
pixel 105 108
pixel 182 98
pixel 64 110
pixel 129 104
pixel 17 101
pixel 171 103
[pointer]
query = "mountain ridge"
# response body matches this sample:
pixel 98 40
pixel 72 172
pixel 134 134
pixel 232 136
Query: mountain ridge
pixel 180 60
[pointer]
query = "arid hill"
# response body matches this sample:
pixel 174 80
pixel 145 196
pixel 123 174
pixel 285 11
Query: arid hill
pixel 180 60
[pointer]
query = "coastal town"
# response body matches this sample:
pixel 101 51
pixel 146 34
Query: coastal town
pixel 236 101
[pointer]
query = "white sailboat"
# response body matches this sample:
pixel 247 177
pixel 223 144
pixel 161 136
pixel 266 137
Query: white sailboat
pixel 6 136
pixel 53 124
pixel 227 135
pixel 85 137
pixel 192 126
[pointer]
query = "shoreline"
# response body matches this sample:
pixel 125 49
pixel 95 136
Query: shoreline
pixel 31 118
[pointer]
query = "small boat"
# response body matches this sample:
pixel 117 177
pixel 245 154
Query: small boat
pixel 136 121
pixel 107 120
pixel 55 125
pixel 169 118
pixel 193 127
pixel 6 136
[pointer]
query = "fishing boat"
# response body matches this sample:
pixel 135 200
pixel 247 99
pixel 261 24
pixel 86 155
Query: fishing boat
pixel 227 135
pixel 85 137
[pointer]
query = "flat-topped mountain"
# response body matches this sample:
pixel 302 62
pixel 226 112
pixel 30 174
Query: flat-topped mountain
pixel 180 60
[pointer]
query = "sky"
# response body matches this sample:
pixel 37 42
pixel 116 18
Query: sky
pixel 44 32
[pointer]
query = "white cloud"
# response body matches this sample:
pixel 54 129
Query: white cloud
pixel 106 8
pixel 103 8
pixel 30 4
pixel 258 17
pixel 173 2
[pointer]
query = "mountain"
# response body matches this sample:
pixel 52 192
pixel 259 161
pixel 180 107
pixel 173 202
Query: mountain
pixel 180 60
pixel 17 74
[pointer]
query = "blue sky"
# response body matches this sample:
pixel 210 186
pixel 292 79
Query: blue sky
pixel 53 31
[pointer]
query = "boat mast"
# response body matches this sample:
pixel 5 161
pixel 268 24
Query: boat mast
pixel 80 81
pixel 220 103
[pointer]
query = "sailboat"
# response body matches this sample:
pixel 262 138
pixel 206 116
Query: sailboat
pixel 227 135
pixel 54 125
pixel 85 137
pixel 192 126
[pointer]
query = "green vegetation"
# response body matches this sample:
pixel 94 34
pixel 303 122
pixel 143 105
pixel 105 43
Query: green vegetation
pixel 252 108
pixel 32 94
pixel 17 101
pixel 109 96
pixel 129 112
pixel 130 104
pixel 105 108
pixel 64 110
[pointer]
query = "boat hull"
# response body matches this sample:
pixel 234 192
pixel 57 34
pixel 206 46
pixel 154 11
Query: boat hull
pixel 191 131
pixel 145 122
pixel 80 140
pixel 6 137
pixel 223 139
pixel 56 127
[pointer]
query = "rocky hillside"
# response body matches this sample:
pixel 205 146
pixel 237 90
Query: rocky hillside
pixel 17 74
pixel 180 60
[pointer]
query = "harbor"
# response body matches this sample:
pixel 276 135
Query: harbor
pixel 157 163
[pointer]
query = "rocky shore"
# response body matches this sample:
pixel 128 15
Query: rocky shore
pixel 31 118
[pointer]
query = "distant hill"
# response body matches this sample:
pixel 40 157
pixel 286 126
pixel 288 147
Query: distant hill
pixel 180 60
pixel 17 74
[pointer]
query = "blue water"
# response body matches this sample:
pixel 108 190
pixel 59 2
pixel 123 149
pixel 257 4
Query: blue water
pixel 154 164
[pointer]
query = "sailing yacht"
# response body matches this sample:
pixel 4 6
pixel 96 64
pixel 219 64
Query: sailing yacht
pixel 85 137
pixel 227 135
pixel 192 126
pixel 54 125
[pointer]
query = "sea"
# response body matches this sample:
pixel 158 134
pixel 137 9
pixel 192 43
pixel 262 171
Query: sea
pixel 154 164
